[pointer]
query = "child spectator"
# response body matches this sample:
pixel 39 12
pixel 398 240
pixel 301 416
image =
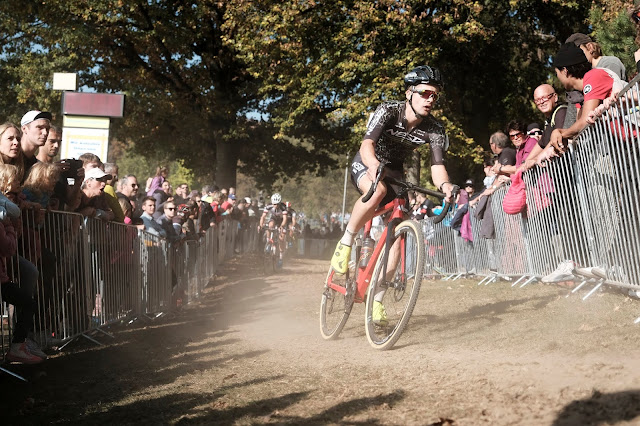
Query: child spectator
pixel 156 182
pixel 40 183
pixel 22 349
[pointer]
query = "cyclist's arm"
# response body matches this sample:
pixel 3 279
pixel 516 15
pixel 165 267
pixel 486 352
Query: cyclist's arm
pixel 368 154
pixel 440 176
pixel 264 214
pixel 284 220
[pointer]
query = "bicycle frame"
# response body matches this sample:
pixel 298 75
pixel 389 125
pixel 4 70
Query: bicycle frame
pixel 363 275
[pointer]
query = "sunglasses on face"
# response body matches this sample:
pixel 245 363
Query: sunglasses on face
pixel 535 132
pixel 515 135
pixel 170 208
pixel 427 94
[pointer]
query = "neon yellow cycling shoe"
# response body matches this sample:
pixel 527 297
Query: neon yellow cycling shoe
pixel 340 259
pixel 379 314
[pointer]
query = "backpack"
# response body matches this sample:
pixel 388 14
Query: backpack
pixel 515 200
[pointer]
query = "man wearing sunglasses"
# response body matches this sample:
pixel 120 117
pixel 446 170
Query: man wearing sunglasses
pixel 521 137
pixel 394 131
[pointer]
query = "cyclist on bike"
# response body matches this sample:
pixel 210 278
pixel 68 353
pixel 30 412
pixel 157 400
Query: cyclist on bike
pixel 394 131
pixel 291 213
pixel 278 218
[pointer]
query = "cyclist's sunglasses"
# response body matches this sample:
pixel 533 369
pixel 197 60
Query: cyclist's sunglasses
pixel 427 94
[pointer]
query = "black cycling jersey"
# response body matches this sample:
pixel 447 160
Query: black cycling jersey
pixel 275 212
pixel 388 128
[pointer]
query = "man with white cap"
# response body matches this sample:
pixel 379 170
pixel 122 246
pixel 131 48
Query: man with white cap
pixel 93 203
pixel 35 130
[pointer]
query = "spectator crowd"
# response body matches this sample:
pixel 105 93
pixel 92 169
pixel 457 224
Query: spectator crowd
pixel 33 182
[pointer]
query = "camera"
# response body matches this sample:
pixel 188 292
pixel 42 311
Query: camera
pixel 72 171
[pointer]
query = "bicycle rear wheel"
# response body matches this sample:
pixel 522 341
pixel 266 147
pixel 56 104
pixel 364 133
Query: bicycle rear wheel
pixel 400 286
pixel 335 307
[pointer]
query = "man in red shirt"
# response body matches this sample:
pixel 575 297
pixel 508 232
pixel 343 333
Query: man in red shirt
pixel 575 73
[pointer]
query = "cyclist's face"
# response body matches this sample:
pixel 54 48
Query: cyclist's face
pixel 423 103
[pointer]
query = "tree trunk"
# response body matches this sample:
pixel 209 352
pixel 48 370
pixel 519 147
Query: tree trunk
pixel 413 168
pixel 226 163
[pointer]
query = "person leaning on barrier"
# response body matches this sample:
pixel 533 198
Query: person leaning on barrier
pixel 524 143
pixel 173 234
pixel 546 99
pixel 22 348
pixel 111 169
pixel 575 73
pixel 129 191
pixel 150 225
pixel 92 203
pixel 504 154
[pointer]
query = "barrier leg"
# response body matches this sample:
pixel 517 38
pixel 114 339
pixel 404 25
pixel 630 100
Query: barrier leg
pixel 518 281
pixel 593 290
pixel 577 288
pixel 528 281
pixel 11 373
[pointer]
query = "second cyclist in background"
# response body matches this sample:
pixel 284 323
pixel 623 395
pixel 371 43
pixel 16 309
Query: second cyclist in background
pixel 276 216
pixel 291 213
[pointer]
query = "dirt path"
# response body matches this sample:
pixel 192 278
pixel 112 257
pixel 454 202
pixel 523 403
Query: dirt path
pixel 250 352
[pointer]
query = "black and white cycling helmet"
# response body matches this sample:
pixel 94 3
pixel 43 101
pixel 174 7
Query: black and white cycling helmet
pixel 276 198
pixel 424 75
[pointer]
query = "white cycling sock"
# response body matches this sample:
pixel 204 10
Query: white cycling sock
pixel 347 238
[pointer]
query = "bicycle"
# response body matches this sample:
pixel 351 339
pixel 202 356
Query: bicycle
pixel 271 251
pixel 363 281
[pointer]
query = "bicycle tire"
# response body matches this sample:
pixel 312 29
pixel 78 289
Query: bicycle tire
pixel 269 265
pixel 334 317
pixel 398 304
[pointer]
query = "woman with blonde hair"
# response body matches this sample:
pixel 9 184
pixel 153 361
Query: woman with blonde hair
pixel 10 150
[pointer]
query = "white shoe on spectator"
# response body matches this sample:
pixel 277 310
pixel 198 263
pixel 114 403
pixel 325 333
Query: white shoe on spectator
pixel 19 352
pixel 35 349
pixel 634 293
pixel 564 272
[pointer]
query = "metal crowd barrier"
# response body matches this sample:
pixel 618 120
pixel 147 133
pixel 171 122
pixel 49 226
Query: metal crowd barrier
pixel 583 207
pixel 86 274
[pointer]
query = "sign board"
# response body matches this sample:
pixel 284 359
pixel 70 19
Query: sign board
pixel 77 141
pixel 95 104
pixel 64 81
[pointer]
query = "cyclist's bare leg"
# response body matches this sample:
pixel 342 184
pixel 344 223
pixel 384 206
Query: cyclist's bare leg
pixel 362 212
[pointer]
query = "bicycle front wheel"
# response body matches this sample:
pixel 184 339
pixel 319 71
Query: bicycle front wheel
pixel 392 297
pixel 269 259
pixel 335 307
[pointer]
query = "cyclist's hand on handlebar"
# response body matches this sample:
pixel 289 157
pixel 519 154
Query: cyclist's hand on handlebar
pixel 372 170
pixel 450 191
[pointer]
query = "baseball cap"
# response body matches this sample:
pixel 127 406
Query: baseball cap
pixel 232 197
pixel 33 116
pixel 95 173
pixel 468 182
pixel 569 54
pixel 579 39
pixel 532 126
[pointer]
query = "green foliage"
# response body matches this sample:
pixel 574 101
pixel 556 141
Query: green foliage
pixel 615 33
